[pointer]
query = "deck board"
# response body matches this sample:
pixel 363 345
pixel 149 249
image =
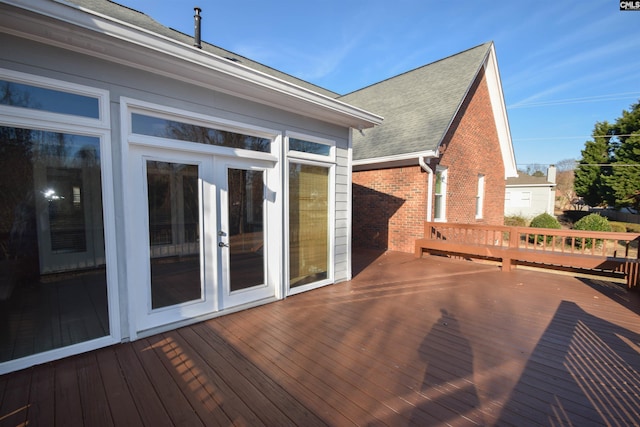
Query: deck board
pixel 421 342
pixel 121 403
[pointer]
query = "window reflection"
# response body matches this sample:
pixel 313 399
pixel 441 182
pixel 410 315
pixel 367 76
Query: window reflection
pixel 246 228
pixel 163 128
pixel 174 233
pixel 39 98
pixel 52 263
pixel 309 147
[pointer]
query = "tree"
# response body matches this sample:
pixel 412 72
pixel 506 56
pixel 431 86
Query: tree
pixel 624 181
pixel 592 168
pixel 609 172
pixel 565 192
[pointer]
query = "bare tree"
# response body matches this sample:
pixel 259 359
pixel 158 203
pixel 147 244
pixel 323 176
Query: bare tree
pixel 565 192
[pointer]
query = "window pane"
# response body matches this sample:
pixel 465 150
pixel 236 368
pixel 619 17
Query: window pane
pixel 309 147
pixel 308 224
pixel 53 288
pixel 55 101
pixel 163 128
pixel 246 225
pixel 174 229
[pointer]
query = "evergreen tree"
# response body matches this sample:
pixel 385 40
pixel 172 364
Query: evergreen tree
pixel 591 172
pixel 625 178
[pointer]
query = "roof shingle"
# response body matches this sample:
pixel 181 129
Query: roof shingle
pixel 418 106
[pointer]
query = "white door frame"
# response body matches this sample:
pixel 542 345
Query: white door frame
pixel 139 280
pixel 226 297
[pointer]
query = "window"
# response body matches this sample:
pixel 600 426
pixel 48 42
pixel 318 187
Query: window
pixel 23 95
pixel 311 210
pixel 440 202
pixel 480 197
pixel 309 147
pixel 53 287
pixel 312 148
pixel 308 224
pixel 143 124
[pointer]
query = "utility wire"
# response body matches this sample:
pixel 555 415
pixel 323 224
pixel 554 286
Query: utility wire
pixel 574 137
pixel 609 97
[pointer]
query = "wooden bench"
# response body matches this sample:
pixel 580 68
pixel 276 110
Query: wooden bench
pixel 546 248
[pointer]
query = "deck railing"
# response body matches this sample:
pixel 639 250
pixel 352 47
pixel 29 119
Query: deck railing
pixel 597 243
pixel 610 253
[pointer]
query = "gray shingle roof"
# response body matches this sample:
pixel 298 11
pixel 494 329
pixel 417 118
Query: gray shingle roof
pixel 524 180
pixel 418 106
pixel 139 19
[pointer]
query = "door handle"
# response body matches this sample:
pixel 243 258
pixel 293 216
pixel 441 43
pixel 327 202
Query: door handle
pixel 222 245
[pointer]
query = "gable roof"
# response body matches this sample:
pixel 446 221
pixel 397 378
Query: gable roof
pixel 420 105
pixel 110 31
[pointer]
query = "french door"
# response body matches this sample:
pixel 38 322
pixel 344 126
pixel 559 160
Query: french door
pixel 197 235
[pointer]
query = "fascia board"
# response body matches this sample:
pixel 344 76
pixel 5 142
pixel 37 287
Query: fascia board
pixel 498 105
pixel 408 159
pixel 524 186
pixel 68 26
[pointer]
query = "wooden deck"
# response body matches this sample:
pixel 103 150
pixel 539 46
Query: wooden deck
pixel 429 341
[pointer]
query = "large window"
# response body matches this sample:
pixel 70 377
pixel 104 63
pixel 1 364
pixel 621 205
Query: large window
pixel 308 224
pixel 53 282
pixel 440 201
pixel 311 162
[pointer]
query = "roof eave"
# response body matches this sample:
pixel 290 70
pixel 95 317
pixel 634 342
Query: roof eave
pixel 399 160
pixel 68 26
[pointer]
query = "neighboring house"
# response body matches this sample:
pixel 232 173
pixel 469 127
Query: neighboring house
pixel 442 153
pixel 528 196
pixel 147 183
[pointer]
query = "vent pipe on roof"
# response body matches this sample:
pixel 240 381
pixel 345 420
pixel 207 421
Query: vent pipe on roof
pixel 196 24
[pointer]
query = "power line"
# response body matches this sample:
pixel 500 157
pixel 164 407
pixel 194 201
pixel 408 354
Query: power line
pixel 574 137
pixel 609 97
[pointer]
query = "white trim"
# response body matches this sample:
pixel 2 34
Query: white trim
pixel 105 37
pixel 391 161
pixel 499 108
pixel 480 196
pixel 350 208
pixel 444 173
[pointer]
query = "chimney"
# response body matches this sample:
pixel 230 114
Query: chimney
pixel 196 24
pixel 551 174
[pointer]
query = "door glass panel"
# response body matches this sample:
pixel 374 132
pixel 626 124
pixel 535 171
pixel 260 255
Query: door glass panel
pixel 308 224
pixel 246 228
pixel 174 233
pixel 53 287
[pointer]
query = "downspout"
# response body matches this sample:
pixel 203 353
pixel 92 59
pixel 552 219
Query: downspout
pixel 429 171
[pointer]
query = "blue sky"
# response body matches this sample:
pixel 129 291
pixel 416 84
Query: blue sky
pixel 565 65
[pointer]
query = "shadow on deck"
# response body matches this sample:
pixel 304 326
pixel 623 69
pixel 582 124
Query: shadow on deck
pixel 429 341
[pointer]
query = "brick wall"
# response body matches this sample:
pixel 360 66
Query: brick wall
pixel 471 148
pixel 389 205
pixel 389 208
